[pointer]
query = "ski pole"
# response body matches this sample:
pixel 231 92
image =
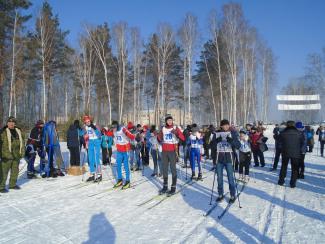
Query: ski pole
pixel 235 181
pixel 214 179
pixel 185 161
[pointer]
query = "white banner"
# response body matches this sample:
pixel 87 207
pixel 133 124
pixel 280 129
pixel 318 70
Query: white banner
pixel 297 97
pixel 315 106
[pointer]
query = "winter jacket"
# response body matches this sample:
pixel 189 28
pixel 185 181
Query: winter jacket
pixel 321 134
pixel 176 133
pixel 255 140
pixel 35 137
pixel 73 139
pixel 11 144
pixel 107 141
pixel 122 137
pixel 292 142
pixel 310 135
pixel 276 136
pixel 233 144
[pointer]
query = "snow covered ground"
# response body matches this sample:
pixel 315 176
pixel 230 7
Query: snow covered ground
pixel 63 211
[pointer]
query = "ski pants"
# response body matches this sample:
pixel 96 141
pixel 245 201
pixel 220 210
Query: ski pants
pixel 6 166
pixel 186 154
pixel 155 154
pixel 322 143
pixel 230 174
pixel 195 156
pixel 244 162
pixel 276 157
pixel 294 169
pixel 74 156
pixel 301 167
pixel 169 160
pixel 123 158
pixel 94 155
pixel 258 155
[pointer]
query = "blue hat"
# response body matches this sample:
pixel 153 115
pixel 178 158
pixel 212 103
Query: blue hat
pixel 300 125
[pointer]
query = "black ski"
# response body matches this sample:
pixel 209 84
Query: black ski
pixel 230 203
pixel 213 207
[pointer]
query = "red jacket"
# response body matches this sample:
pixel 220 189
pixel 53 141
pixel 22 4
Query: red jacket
pixel 170 147
pixel 254 139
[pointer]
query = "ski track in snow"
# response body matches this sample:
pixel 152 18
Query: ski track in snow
pixel 65 210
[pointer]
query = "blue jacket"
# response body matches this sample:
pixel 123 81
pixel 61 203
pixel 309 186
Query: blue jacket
pixel 107 141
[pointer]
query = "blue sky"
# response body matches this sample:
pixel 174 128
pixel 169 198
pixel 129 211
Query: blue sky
pixel 292 28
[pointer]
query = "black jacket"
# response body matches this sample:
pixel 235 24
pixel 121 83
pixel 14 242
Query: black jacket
pixel 73 137
pixel 291 142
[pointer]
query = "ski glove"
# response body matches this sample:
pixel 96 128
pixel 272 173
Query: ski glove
pixel 229 139
pixel 93 126
pixel 219 139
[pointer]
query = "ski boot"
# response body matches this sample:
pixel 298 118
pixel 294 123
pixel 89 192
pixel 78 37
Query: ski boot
pixel 193 176
pixel 118 184
pixel 163 190
pixel 99 178
pixel 126 185
pixel 232 199
pixel 91 178
pixel 60 173
pixel 199 177
pixel 220 198
pixel 172 191
pixel 16 187
pixel 31 175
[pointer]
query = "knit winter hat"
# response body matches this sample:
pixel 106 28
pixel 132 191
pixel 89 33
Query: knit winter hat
pixel 86 118
pixel 39 122
pixel 224 122
pixel 168 116
pixel 114 124
pixel 130 125
pixel 300 125
pixel 291 123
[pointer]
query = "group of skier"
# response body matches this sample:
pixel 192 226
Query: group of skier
pixel 229 147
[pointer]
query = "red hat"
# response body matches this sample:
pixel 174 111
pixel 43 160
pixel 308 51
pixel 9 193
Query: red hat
pixel 130 125
pixel 86 118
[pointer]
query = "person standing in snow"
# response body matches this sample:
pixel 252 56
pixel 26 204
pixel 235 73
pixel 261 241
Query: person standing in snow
pixel 74 134
pixel 321 137
pixel 186 148
pixel 310 138
pixel 196 143
pixel 169 136
pixel 92 137
pixel 35 146
pixel 292 144
pixel 11 151
pixel 245 155
pixel 226 141
pixel 256 137
pixel 122 137
pixel 276 135
pixel 301 168
pixel 107 142
pixel 145 146
pixel 155 151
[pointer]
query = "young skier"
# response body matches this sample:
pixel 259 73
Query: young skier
pixel 155 151
pixel 196 143
pixel 92 137
pixel 245 155
pixel 122 138
pixel 276 135
pixel 106 145
pixel 34 147
pixel 226 141
pixel 169 136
